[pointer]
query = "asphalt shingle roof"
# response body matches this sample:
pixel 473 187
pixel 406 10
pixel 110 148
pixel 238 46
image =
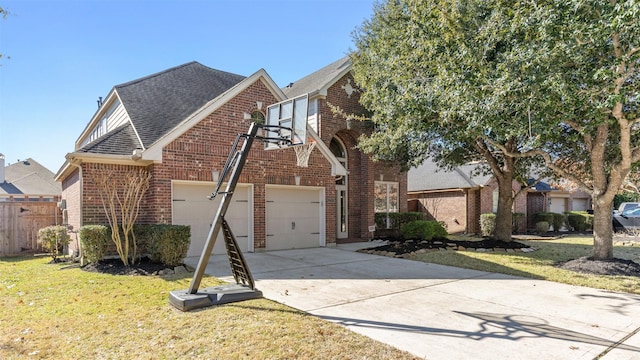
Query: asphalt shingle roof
pixel 120 141
pixel 318 79
pixel 158 103
pixel 29 177
pixel 429 176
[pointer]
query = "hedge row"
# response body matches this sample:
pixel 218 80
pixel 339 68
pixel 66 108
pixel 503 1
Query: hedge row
pixel 166 244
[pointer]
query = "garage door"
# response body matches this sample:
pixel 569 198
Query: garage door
pixel 294 218
pixel 558 205
pixel 191 207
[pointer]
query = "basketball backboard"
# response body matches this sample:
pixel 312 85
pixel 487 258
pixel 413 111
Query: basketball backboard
pixel 288 120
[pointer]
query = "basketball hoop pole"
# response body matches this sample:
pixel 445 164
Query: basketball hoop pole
pixel 222 209
pixel 193 299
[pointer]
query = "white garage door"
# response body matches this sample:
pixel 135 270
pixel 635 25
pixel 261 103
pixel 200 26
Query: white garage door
pixel 294 218
pixel 558 205
pixel 581 204
pixel 191 207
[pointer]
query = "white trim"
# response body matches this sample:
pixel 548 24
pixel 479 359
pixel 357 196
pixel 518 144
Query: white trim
pixel 336 167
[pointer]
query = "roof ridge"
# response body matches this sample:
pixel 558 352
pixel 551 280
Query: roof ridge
pixel 128 83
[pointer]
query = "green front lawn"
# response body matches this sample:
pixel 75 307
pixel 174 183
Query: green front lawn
pixel 47 311
pixel 539 264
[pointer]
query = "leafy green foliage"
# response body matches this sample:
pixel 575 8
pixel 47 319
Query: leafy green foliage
pixel 487 224
pixel 169 244
pixel 94 240
pixel 579 220
pixel 53 239
pixel 424 230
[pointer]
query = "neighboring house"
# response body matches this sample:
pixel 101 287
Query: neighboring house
pixel 179 124
pixel 29 198
pixel 544 197
pixel 456 197
pixel 459 196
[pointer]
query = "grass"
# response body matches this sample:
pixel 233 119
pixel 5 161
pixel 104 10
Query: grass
pixel 47 311
pixel 540 263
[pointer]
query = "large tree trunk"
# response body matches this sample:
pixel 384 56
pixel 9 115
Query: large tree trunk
pixel 505 204
pixel 602 228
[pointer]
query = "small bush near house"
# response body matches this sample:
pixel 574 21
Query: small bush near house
pixel 424 230
pixel 53 239
pixel 94 240
pixel 543 216
pixel 542 227
pixel 169 244
pixel 558 221
pixel 579 220
pixel 487 224
pixel 396 220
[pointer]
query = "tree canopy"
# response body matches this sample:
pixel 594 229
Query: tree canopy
pixel 510 83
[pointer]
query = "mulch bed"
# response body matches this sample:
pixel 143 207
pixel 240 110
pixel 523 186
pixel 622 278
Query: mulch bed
pixel 144 267
pixel 585 265
pixel 410 246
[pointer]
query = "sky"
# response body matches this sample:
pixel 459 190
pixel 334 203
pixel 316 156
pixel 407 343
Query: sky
pixel 59 56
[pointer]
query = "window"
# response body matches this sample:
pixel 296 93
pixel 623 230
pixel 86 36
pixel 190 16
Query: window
pixel 257 117
pixel 386 198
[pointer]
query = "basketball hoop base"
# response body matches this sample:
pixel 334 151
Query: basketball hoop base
pixel 215 295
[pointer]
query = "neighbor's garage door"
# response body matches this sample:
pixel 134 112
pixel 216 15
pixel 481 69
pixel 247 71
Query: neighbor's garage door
pixel 294 218
pixel 191 207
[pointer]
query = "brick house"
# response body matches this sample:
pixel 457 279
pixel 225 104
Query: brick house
pixel 460 195
pixel 180 123
pixel 457 196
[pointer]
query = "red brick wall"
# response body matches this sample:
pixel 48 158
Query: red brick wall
pixel 363 172
pixel 206 146
pixel 71 194
pixel 448 207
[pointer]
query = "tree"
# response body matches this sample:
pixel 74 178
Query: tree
pixel 457 81
pixel 596 92
pixel 3 13
pixel 121 195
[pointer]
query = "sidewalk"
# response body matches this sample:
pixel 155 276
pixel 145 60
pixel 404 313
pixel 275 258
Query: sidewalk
pixel 441 312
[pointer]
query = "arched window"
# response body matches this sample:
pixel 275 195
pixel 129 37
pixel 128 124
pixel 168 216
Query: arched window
pixel 257 117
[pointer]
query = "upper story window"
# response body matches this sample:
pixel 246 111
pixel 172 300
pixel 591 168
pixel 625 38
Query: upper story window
pixel 257 117
pixel 99 130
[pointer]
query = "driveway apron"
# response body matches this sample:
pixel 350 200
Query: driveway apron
pixel 442 312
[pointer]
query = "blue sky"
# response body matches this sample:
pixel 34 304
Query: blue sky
pixel 64 54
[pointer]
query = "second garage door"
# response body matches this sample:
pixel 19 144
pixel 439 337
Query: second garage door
pixel 294 218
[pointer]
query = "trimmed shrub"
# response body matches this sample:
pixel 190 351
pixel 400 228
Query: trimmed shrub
pixel 415 230
pixel 401 218
pixel 169 244
pixel 579 220
pixel 53 238
pixel 542 227
pixel 487 224
pixel 95 241
pixel 558 221
pixel 543 216
pixel 424 230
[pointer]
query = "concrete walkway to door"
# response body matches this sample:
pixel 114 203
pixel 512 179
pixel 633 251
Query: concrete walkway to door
pixel 441 312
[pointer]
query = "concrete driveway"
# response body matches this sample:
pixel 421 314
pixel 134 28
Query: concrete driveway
pixel 441 312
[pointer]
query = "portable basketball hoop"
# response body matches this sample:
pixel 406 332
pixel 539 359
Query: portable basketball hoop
pixel 303 152
pixel 286 126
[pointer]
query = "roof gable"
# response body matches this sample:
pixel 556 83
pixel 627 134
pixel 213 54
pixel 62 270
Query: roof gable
pixel 159 102
pixel 320 80
pixel 29 177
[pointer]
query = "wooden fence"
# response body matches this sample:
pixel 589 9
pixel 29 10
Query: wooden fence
pixel 20 222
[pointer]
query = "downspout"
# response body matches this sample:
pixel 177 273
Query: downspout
pixel 80 217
